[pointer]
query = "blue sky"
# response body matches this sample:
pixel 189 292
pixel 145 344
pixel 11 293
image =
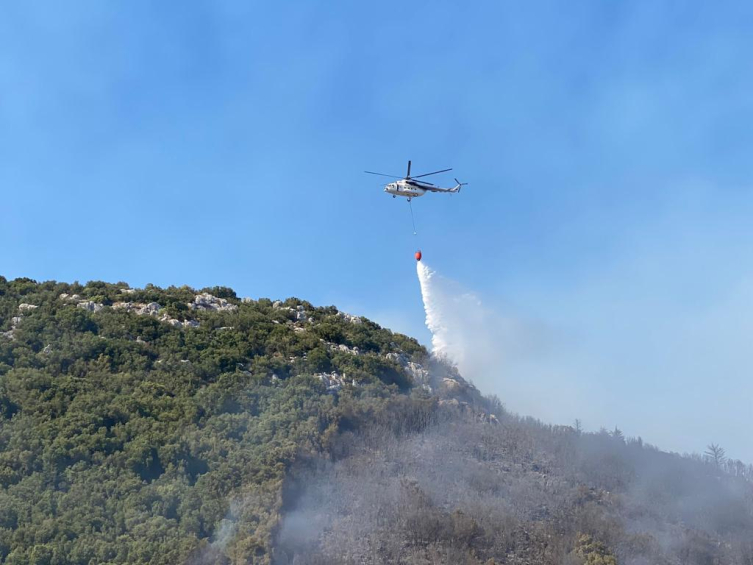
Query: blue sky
pixel 607 146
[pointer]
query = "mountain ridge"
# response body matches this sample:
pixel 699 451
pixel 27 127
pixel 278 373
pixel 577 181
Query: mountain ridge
pixel 179 425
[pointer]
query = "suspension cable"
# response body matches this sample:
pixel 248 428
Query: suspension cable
pixel 410 204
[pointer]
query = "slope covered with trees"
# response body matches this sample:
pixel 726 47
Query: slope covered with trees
pixel 182 426
pixel 125 438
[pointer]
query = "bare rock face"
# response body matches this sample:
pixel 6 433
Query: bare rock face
pixel 342 348
pixel 15 320
pixel 80 302
pixel 298 313
pixel 206 301
pixel 334 381
pixel 350 318
pixel 450 385
pixel 151 309
pixel 26 307
pixel 437 376
pixel 90 306
pixel 171 321
pixel 177 323
pixel 418 373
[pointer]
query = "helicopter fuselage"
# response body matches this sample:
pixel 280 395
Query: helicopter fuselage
pixel 407 188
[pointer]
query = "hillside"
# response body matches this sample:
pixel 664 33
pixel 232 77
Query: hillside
pixel 190 426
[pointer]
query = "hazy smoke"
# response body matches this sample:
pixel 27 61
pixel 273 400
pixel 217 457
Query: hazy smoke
pixel 447 487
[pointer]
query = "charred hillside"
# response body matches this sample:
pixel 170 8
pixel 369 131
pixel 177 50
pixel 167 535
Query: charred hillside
pixel 191 426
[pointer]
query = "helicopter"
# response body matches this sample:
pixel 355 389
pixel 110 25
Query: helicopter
pixel 410 188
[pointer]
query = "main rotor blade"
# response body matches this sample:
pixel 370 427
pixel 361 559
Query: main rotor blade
pixel 434 173
pixel 383 175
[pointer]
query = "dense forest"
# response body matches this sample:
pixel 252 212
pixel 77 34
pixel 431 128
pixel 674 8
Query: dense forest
pixel 190 426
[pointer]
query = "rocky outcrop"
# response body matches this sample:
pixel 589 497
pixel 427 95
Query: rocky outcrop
pixel 139 308
pixel 90 306
pixel 81 302
pixel 203 301
pixel 154 309
pixel 437 376
pixel 206 301
pixel 298 313
pixel 15 320
pixel 342 348
pixel 334 381
pixel 177 323
pixel 350 318
pixel 418 373
pixel 151 309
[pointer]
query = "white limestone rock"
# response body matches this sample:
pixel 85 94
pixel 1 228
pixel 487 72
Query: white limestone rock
pixel 177 323
pixel 334 381
pixel 90 306
pixel 350 318
pixel 420 374
pixel 341 347
pixel 206 301
pixel 450 385
pixel 151 309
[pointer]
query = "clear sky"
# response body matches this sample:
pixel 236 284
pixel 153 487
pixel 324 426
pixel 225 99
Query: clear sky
pixel 607 146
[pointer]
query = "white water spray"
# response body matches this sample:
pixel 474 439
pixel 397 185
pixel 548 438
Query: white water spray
pixel 463 330
pixel 458 322
pixel 434 321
